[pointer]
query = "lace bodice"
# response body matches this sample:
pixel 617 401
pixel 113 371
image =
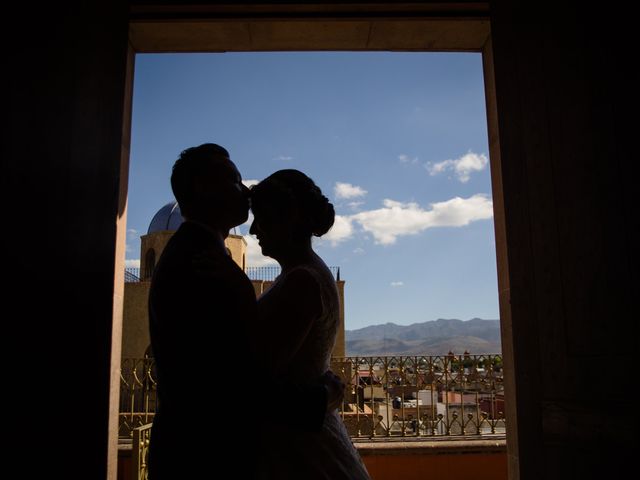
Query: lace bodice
pixel 293 454
pixel 313 357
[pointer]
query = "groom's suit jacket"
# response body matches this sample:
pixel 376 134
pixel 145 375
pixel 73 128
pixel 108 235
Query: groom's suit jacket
pixel 201 305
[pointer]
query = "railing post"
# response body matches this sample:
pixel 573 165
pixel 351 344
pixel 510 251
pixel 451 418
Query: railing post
pixel 140 452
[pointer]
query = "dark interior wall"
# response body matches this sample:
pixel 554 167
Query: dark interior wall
pixel 60 172
pixel 566 99
pixel 565 94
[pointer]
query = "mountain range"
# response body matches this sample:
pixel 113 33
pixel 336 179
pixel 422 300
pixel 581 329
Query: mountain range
pixel 436 337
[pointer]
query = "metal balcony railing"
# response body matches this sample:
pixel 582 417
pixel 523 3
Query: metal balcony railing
pixel 131 275
pixel 423 396
pixel 271 272
pixel 267 274
pixel 386 397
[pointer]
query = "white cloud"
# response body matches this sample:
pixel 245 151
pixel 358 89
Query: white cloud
pixel 386 224
pixel 346 191
pixel 254 254
pixel 250 183
pixel 354 205
pixel 463 167
pixel 249 221
pixel 396 284
pixel 342 230
pixel 397 219
pixel 407 159
pixel 132 234
pixel 244 228
pixel 132 263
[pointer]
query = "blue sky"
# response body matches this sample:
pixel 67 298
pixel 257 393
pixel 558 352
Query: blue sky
pixel 398 142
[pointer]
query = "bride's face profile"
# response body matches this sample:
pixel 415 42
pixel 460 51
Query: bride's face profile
pixel 272 230
pixel 287 207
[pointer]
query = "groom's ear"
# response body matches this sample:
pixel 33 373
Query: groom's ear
pixel 198 186
pixel 204 186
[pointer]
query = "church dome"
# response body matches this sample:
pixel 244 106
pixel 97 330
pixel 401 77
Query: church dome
pixel 168 217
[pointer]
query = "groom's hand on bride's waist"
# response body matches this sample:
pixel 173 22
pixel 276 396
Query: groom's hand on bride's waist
pixel 324 395
pixel 335 390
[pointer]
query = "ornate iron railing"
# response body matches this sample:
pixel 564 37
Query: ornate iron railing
pixel 137 394
pixel 270 273
pixel 422 396
pixel 386 396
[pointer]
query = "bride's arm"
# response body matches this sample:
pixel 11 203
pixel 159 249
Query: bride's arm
pixel 288 313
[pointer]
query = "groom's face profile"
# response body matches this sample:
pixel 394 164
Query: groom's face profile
pixel 224 198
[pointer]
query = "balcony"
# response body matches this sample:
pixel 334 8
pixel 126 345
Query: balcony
pixel 408 416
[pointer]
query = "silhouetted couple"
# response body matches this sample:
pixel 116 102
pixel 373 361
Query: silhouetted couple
pixel 240 378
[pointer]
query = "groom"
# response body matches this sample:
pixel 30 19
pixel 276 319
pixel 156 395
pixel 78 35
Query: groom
pixel 201 308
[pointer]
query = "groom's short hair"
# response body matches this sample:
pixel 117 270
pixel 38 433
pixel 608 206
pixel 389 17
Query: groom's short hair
pixel 192 163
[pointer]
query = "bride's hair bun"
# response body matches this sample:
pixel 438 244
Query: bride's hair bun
pixel 323 216
pixel 289 188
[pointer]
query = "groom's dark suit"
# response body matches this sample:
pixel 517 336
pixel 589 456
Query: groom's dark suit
pixel 200 308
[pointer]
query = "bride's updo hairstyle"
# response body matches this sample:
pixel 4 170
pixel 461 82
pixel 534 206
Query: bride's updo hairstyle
pixel 286 191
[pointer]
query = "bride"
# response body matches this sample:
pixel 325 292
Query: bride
pixel 298 318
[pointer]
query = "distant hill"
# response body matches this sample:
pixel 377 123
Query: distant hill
pixel 436 337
